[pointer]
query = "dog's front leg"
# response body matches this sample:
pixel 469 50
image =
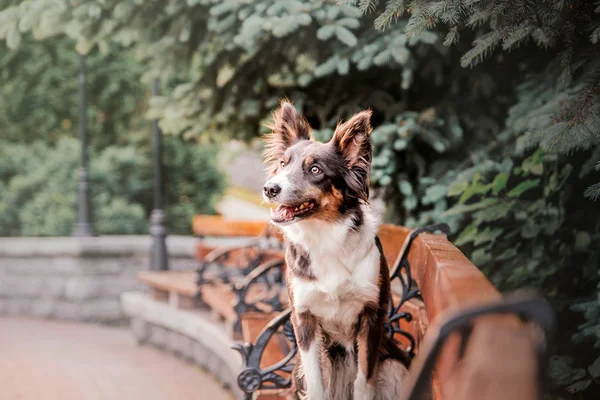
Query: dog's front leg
pixel 308 337
pixel 369 339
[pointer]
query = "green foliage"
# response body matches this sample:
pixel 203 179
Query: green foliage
pixel 486 114
pixel 39 187
pixel 39 98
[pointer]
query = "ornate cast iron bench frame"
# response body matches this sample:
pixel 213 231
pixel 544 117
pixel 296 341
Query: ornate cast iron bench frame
pixel 253 377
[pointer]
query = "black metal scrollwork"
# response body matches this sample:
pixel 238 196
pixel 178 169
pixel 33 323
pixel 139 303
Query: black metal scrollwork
pixel 270 278
pixel 213 267
pixel 401 271
pixel 276 376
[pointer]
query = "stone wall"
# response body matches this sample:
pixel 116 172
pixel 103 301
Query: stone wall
pixel 78 278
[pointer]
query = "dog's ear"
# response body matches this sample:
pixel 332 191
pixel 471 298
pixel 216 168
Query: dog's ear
pixel 352 139
pixel 287 128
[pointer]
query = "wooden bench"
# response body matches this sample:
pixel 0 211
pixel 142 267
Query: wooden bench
pixel 450 285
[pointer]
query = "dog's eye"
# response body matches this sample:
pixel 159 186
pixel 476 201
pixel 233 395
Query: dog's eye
pixel 315 170
pixel 282 164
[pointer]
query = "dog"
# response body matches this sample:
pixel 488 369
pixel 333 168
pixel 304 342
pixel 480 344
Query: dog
pixel 336 275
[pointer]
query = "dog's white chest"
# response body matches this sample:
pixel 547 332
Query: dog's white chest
pixel 341 288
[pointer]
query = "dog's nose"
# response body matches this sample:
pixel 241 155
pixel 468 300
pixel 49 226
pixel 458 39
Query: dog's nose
pixel 271 190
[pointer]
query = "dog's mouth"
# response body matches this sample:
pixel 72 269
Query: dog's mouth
pixel 287 213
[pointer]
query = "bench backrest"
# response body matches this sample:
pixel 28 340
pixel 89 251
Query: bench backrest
pixel 216 225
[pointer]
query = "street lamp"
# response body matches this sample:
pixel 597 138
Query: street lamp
pixel 159 259
pixel 83 227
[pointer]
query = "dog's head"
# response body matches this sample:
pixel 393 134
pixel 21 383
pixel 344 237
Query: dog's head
pixel 310 179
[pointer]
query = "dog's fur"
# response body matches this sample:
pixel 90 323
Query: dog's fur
pixel 337 276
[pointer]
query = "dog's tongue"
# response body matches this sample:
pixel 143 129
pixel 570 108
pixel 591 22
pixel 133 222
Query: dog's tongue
pixel 282 213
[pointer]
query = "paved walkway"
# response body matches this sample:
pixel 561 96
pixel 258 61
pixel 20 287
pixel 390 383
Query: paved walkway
pixel 50 360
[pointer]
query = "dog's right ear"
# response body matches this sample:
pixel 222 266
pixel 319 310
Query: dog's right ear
pixel 287 128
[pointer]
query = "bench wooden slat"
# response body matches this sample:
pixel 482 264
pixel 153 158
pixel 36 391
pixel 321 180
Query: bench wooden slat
pixel 183 283
pixel 216 225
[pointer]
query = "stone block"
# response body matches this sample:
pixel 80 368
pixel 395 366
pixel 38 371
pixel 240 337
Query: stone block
pixel 67 310
pixel 114 286
pixel 200 354
pixel 29 266
pixel 172 343
pixel 20 286
pixel 213 363
pixel 101 265
pixel 158 336
pixel 17 306
pixel 66 265
pixel 53 288
pixel 140 330
pixel 185 348
pixel 82 288
pixel 102 310
pixel 42 308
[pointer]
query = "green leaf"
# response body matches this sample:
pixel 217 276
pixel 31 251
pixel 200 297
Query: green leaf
pixel 405 188
pixel 582 242
pixel 325 32
pixel 523 187
pixel 457 188
pixel 507 254
pixel 465 208
pixel 480 256
pixel 493 213
pixel 594 369
pixel 579 386
pixel 13 36
pixel 345 36
pixel 467 235
pixel 475 189
pixel 488 235
pixel 500 182
pixel 434 193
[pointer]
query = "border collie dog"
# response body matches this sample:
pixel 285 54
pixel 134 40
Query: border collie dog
pixel 337 276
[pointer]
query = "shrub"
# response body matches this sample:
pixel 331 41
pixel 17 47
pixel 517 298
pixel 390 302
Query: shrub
pixel 39 184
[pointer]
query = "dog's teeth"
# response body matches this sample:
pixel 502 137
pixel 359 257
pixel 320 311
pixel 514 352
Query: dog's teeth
pixel 302 206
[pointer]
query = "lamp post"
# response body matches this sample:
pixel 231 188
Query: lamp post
pixel 83 227
pixel 158 258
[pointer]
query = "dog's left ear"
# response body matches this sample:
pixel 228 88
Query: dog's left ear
pixel 352 139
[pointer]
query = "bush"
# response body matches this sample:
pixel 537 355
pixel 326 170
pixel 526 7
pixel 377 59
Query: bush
pixel 39 185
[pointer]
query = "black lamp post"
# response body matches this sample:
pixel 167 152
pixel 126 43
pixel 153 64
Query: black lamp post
pixel 159 258
pixel 84 224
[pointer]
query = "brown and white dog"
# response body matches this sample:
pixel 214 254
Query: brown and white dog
pixel 337 277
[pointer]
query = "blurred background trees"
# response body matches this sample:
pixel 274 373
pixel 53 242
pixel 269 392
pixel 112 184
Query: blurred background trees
pixel 486 116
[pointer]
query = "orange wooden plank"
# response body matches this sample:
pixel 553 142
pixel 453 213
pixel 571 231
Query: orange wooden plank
pixel 183 283
pixel 216 225
pixel 392 239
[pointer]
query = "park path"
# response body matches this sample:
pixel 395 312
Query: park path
pixel 51 360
